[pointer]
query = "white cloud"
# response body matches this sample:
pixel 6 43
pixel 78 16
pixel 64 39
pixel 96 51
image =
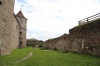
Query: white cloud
pixel 52 18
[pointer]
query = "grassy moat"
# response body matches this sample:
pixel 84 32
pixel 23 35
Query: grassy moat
pixel 48 58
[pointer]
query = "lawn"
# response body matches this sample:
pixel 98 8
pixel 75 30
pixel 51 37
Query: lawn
pixel 48 58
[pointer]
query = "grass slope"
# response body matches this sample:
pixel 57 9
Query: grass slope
pixel 50 58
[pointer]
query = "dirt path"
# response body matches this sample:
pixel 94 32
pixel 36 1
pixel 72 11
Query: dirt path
pixel 28 56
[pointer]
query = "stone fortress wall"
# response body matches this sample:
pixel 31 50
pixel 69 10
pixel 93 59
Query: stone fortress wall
pixel 82 39
pixel 6 22
pixel 86 38
pixel 10 28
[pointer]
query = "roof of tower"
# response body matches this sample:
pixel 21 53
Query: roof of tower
pixel 20 14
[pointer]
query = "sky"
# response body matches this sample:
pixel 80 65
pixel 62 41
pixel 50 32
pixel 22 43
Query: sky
pixel 49 19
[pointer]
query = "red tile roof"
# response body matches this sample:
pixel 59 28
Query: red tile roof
pixel 20 14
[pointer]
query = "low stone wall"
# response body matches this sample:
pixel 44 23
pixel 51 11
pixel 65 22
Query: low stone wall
pixel 59 43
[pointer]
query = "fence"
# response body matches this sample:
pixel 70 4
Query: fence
pixel 96 16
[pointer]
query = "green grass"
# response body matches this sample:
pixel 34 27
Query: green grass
pixel 16 54
pixel 87 22
pixel 49 58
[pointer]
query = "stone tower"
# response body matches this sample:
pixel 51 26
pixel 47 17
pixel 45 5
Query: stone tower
pixel 23 21
pixel 6 21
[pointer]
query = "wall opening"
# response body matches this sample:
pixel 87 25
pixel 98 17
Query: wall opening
pixel 0 52
pixel 20 32
pixel 21 42
pixel 0 3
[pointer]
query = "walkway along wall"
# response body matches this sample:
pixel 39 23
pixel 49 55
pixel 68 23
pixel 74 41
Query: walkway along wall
pixel 82 39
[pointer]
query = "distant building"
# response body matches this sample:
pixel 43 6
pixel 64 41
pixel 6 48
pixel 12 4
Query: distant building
pixel 34 42
pixel 12 28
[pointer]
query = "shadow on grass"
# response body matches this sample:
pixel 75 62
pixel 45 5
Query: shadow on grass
pixel 63 51
pixel 84 54
pixel 74 53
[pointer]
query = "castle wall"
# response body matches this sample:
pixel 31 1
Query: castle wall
pixel 10 28
pixel 86 38
pixel 82 39
pixel 60 43
pixel 15 33
pixel 6 22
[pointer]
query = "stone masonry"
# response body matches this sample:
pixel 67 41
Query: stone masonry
pixel 82 39
pixel 59 43
pixel 23 22
pixel 6 22
pixel 10 28
pixel 86 38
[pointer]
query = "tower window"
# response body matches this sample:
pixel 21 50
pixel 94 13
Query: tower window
pixel 21 42
pixel 0 3
pixel 0 52
pixel 20 32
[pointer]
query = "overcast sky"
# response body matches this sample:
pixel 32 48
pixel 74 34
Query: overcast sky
pixel 52 18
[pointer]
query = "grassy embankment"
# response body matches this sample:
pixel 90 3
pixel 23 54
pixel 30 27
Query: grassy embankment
pixel 48 58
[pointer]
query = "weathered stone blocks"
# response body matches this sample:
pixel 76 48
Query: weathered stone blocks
pixel 81 39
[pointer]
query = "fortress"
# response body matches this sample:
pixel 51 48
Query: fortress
pixel 84 38
pixel 12 28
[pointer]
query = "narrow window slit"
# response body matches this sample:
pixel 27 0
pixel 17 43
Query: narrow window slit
pixel 0 3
